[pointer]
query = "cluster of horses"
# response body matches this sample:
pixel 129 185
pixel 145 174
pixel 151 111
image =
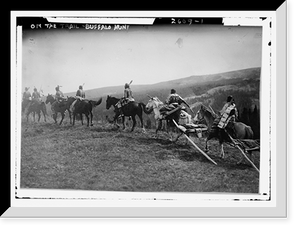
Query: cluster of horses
pixel 80 107
pixel 242 131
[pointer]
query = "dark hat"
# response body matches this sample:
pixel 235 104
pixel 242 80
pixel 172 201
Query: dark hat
pixel 229 98
pixel 173 91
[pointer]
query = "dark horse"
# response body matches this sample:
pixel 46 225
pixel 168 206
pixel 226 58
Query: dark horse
pixel 60 107
pixel 34 107
pixel 239 130
pixel 85 107
pixel 131 109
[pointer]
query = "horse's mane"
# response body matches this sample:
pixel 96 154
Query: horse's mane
pixel 207 110
pixel 114 98
pixel 157 99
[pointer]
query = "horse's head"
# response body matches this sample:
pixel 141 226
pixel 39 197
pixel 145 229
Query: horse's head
pixel 70 100
pixel 201 113
pixel 50 99
pixel 153 103
pixel 111 101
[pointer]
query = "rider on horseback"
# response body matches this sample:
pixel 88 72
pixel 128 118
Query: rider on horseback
pixel 174 100
pixel 127 97
pixel 59 96
pixel 26 94
pixel 228 116
pixel 80 95
pixel 36 95
pixel 26 99
pixel 228 113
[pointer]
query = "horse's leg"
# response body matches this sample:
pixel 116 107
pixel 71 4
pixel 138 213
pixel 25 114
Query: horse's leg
pixel 81 118
pixel 123 121
pixel 220 138
pixel 74 118
pixel 222 153
pixel 62 117
pixel 158 125
pixel 55 117
pixel 142 122
pixel 88 119
pixel 133 123
pixel 180 134
pixel 209 137
pixel 27 115
pixel 169 131
pixel 39 114
pixel 70 115
pixel 91 113
pixel 44 115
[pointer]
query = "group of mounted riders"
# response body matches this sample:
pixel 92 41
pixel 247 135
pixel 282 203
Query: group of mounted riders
pixel 225 119
pixel 227 115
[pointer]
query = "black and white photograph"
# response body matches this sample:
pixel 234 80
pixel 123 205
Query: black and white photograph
pixel 168 107
pixel 145 113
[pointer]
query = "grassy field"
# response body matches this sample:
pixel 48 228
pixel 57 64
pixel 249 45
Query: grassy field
pixel 104 158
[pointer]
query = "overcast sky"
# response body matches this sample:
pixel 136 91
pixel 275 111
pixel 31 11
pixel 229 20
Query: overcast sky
pixel 144 54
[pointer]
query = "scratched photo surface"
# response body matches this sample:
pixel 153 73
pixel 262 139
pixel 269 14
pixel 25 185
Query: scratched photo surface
pixel 204 64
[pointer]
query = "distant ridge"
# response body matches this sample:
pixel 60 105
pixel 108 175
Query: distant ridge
pixel 185 82
pixel 243 85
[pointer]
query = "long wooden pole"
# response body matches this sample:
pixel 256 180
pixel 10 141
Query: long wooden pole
pixel 236 145
pixel 189 139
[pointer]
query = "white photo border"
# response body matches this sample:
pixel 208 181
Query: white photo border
pixel 270 202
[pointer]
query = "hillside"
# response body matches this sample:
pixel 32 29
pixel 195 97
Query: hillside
pixel 194 82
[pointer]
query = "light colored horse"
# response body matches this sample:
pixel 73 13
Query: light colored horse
pixel 179 116
pixel 242 131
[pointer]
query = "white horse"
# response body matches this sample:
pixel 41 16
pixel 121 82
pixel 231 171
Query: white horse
pixel 180 116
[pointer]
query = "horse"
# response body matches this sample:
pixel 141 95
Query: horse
pixel 85 107
pixel 157 106
pixel 35 107
pixel 25 104
pixel 240 130
pixel 132 109
pixel 60 107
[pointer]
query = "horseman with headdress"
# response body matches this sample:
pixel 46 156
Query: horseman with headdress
pixel 59 96
pixel 127 96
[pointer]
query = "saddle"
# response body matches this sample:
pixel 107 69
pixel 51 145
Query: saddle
pixel 229 127
pixel 124 101
pixel 167 108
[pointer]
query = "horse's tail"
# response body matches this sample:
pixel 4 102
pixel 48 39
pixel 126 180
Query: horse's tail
pixel 143 106
pixel 98 102
pixel 249 132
